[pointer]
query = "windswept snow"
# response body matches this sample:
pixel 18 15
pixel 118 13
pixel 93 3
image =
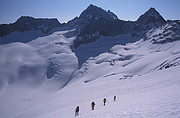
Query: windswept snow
pixel 32 69
pixel 41 79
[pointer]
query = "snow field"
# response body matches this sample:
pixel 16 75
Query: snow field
pixel 138 97
pixel 41 79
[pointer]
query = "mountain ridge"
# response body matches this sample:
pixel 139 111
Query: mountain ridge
pixel 91 31
pixel 28 23
pixel 92 23
pixel 41 78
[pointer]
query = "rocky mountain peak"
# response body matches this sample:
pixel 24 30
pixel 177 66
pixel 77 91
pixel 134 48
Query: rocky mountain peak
pixel 151 16
pixel 28 23
pixel 25 18
pixel 31 20
pixel 95 13
pixel 91 6
pixel 150 19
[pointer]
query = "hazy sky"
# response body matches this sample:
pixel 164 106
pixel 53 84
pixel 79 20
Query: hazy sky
pixel 64 10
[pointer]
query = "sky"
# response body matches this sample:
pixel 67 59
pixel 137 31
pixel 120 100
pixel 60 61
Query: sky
pixel 65 10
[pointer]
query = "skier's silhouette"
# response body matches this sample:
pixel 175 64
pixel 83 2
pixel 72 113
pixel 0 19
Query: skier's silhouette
pixel 114 98
pixel 92 105
pixel 104 100
pixel 77 111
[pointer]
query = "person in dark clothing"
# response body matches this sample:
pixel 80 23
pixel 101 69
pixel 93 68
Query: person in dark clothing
pixel 77 111
pixel 114 98
pixel 104 100
pixel 92 105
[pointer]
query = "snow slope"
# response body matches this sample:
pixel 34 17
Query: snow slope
pixel 104 44
pixel 138 97
pixel 144 76
pixel 27 69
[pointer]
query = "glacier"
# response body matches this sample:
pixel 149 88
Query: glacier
pixel 47 77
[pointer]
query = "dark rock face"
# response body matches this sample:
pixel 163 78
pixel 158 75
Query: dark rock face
pixel 92 31
pixel 150 19
pixel 5 29
pixel 26 23
pixel 93 13
pixel 95 21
